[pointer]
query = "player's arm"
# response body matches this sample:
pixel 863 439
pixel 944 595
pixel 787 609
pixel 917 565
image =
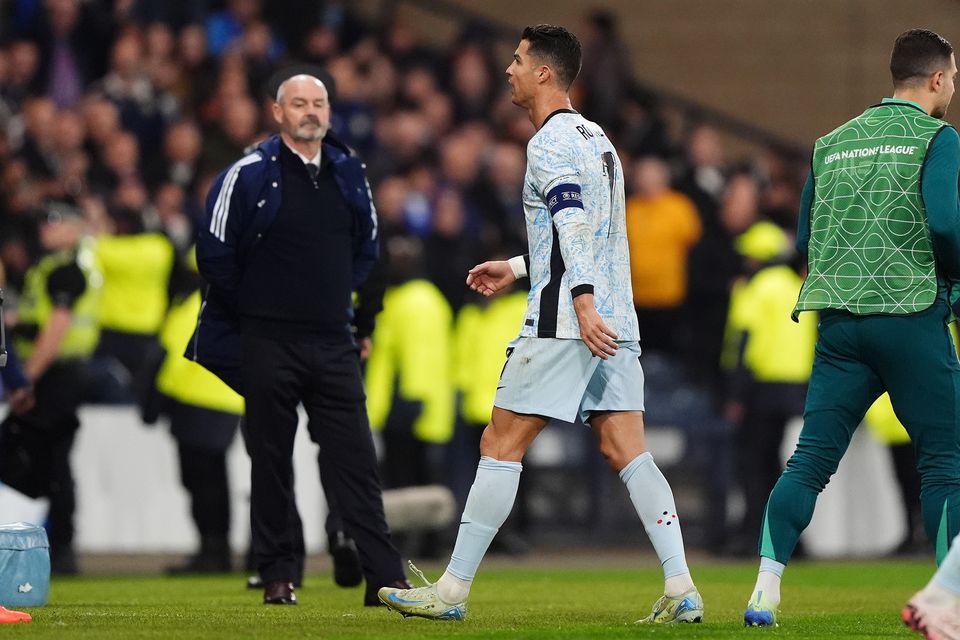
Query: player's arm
pixel 575 235
pixel 369 304
pixel 219 234
pixel 64 286
pixel 556 167
pixel 939 188
pixel 48 343
pixel 494 276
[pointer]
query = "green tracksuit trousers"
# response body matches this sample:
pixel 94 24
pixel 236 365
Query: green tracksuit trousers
pixel 857 359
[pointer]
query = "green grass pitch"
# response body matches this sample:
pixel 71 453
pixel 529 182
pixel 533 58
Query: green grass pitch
pixel 821 600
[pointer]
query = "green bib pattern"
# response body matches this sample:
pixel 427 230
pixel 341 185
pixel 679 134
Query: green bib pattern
pixel 870 250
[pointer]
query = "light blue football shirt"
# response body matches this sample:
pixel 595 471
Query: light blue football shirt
pixel 573 201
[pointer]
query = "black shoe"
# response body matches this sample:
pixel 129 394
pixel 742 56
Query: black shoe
pixel 370 598
pixel 255 582
pixel 346 561
pixel 279 593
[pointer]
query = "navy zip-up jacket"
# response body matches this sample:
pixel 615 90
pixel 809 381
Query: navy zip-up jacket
pixel 242 204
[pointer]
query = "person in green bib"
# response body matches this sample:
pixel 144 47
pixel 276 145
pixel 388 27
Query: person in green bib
pixel 879 224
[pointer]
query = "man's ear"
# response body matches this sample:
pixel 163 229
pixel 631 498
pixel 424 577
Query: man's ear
pixel 935 81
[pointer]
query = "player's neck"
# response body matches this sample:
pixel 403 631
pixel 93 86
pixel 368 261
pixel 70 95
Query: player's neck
pixel 923 98
pixel 546 104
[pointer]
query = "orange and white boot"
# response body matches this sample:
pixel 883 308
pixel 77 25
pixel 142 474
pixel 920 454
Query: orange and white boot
pixel 8 616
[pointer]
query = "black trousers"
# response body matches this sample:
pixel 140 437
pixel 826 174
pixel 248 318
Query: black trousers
pixel 328 479
pixel 661 328
pixel 203 437
pixel 325 377
pixel 769 407
pixel 129 349
pixel 35 448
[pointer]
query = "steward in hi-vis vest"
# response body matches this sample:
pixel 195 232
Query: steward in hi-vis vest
pixel 55 334
pixel 137 266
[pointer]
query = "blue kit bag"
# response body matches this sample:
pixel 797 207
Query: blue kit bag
pixel 24 565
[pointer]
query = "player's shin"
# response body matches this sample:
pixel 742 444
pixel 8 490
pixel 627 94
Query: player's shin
pixel 653 499
pixel 488 505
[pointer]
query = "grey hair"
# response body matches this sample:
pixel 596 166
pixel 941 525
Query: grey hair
pixel 296 77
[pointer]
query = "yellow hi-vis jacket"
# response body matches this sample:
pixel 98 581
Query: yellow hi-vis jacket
pixel 35 303
pixel 184 380
pixel 136 273
pixel 481 337
pixel 411 352
pixel 778 349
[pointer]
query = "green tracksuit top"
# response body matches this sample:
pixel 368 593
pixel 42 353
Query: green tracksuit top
pixel 869 245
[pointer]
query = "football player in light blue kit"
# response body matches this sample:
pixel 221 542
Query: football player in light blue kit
pixel 578 349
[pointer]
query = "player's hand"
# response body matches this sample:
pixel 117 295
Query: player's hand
pixel 365 344
pixel 490 277
pixel 21 400
pixel 599 338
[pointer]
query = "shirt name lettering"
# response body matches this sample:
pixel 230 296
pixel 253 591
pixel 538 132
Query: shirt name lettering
pixel 866 152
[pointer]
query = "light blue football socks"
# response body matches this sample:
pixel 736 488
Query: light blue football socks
pixel 491 499
pixel 653 499
pixel 948 574
pixel 488 505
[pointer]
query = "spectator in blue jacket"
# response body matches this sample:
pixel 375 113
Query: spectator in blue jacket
pixel 290 232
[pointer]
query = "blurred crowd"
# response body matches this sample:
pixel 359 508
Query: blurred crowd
pixel 121 112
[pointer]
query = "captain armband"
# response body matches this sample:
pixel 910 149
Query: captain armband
pixel 564 196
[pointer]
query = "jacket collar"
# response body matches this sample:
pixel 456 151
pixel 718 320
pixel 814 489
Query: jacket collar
pixel 886 102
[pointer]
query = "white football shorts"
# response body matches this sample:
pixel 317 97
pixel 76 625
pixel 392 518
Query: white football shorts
pixel 560 378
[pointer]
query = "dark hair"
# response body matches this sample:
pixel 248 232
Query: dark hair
pixel 558 48
pixel 916 54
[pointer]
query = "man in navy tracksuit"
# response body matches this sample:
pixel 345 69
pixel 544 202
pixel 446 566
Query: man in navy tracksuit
pixel 290 233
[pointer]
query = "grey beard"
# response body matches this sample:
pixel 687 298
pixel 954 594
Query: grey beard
pixel 309 137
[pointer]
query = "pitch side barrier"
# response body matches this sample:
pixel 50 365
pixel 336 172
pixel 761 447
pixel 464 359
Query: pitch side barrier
pixel 130 499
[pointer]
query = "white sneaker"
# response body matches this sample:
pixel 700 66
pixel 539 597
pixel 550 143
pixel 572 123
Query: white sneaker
pixel 934 612
pixel 687 607
pixel 760 612
pixel 423 602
